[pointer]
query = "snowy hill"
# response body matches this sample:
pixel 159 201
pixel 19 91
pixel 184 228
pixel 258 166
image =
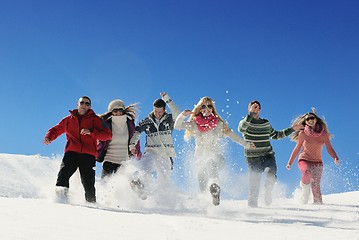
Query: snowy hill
pixel 28 211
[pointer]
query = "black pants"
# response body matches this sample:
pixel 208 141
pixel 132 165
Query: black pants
pixel 86 164
pixel 109 168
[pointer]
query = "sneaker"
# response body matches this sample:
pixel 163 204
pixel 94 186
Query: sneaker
pixel 215 191
pixel 138 187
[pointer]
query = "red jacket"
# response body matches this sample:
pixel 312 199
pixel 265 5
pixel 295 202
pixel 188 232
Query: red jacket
pixel 72 126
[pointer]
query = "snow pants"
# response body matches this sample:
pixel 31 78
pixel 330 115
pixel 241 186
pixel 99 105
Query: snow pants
pixel 86 164
pixel 152 165
pixel 312 173
pixel 256 167
pixel 208 168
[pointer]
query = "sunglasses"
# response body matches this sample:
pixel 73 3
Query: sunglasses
pixel 207 106
pixel 86 103
pixel 120 110
pixel 309 118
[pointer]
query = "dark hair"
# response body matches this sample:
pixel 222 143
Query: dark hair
pixel 159 103
pixel 253 102
pixel 86 98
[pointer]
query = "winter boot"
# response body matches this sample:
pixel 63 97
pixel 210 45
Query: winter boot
pixel 61 194
pixel 215 191
pixel 138 187
pixel 305 192
pixel 268 198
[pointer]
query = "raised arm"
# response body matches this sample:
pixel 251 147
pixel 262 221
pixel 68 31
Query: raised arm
pixel 180 124
pixel 244 124
pixel 172 106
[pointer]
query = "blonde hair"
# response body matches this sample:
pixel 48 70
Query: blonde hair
pixel 197 111
pixel 300 120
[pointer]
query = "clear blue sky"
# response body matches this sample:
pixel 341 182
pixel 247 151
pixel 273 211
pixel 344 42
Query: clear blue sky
pixel 289 55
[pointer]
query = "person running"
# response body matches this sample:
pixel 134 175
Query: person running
pixel 259 131
pixel 82 128
pixel 113 153
pixel 310 160
pixel 208 129
pixel 159 151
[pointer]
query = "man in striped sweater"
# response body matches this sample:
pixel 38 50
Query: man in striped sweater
pixel 259 131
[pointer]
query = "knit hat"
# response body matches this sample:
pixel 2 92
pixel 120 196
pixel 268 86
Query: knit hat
pixel 116 104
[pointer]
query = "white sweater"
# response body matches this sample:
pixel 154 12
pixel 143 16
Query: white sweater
pixel 117 151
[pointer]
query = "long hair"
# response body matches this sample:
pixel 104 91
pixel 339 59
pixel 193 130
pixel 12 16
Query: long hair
pixel 301 120
pixel 197 111
pixel 130 110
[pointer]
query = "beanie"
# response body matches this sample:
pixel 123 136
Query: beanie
pixel 116 104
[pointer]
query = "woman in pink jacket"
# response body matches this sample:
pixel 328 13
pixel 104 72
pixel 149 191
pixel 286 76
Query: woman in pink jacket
pixel 311 140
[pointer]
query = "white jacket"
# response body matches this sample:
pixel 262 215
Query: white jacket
pixel 208 143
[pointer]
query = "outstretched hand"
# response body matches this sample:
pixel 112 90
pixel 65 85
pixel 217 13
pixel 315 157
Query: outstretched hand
pixel 163 94
pixel 298 127
pixel 47 141
pixel 288 166
pixel 251 145
pixel 187 112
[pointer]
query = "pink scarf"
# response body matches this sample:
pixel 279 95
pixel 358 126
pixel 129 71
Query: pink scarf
pixel 206 123
pixel 312 133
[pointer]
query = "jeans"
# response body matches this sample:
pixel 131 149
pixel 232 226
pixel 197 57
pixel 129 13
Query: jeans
pixel 256 167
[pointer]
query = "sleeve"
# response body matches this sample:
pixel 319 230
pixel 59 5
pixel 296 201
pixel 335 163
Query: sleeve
pixel 276 135
pixel 172 106
pixel 180 124
pixel 134 139
pixel 244 124
pixel 137 134
pixel 57 130
pixel 296 149
pixel 101 131
pixel 330 148
pixel 236 138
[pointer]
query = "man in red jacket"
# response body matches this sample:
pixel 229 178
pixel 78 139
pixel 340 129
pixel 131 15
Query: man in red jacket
pixel 83 128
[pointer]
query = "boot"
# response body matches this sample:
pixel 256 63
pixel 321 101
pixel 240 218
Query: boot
pixel 61 194
pixel 215 191
pixel 267 197
pixel 305 192
pixel 138 187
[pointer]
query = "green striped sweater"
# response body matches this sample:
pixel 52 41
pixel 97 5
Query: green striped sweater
pixel 259 131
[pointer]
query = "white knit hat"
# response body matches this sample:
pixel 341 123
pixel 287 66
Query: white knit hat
pixel 116 104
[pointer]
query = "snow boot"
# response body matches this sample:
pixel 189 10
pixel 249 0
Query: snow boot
pixel 138 187
pixel 268 198
pixel 61 194
pixel 305 192
pixel 215 191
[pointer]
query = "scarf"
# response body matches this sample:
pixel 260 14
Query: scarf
pixel 312 133
pixel 205 124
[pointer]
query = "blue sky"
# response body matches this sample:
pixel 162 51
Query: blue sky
pixel 289 55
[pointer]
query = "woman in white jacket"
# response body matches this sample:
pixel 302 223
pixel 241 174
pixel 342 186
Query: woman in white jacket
pixel 207 128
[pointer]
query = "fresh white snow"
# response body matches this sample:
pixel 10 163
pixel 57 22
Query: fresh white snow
pixel 28 211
